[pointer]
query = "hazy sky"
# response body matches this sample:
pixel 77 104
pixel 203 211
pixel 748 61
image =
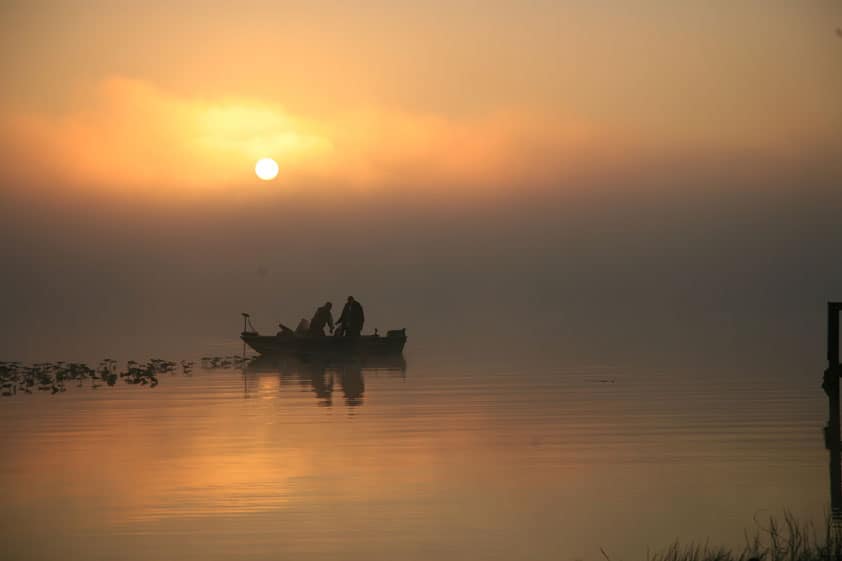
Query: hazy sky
pixel 455 164
pixel 137 95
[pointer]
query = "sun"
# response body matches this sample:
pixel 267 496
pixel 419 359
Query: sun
pixel 266 169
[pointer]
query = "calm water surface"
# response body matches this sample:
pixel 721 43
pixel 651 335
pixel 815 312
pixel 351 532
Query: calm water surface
pixel 449 457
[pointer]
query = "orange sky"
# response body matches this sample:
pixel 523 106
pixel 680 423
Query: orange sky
pixel 182 98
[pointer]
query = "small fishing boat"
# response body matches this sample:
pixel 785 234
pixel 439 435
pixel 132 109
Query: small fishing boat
pixel 286 343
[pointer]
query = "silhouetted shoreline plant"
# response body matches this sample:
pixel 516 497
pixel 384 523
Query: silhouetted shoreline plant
pixel 789 540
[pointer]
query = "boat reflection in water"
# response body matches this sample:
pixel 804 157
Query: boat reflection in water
pixel 323 374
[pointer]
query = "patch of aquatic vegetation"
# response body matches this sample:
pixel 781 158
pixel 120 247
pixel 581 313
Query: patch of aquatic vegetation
pixel 790 540
pixel 232 361
pixel 54 377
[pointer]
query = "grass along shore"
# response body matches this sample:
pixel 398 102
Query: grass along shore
pixel 790 540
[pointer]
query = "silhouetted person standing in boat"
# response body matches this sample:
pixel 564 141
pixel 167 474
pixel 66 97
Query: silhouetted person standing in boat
pixel 321 318
pixel 352 318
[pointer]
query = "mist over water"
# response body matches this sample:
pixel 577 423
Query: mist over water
pixel 682 272
pixel 601 368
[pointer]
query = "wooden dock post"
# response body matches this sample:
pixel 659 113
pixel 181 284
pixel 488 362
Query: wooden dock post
pixel 833 436
pixel 833 310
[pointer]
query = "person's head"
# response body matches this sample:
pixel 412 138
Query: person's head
pixel 350 299
pixel 328 305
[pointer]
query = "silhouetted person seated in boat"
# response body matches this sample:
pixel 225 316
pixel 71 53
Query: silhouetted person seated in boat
pixel 352 318
pixel 321 318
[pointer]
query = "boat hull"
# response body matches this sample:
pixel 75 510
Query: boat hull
pixel 309 344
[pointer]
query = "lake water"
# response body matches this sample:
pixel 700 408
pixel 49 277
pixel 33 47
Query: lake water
pixel 452 455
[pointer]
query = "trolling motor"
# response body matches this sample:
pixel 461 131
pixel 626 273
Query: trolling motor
pixel 248 328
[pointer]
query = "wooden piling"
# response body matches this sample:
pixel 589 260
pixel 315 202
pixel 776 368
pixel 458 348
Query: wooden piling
pixel 833 309
pixel 833 432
